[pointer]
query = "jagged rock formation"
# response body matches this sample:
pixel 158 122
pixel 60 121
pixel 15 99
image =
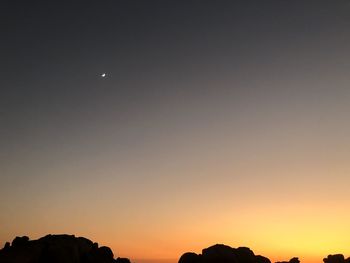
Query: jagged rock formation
pixel 223 254
pixel 337 258
pixel 57 249
pixel 71 249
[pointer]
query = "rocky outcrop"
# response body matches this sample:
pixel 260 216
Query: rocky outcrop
pixel 57 249
pixel 262 259
pixel 223 254
pixel 122 260
pixel 292 260
pixel 190 257
pixel 20 241
pixel 71 249
pixel 336 258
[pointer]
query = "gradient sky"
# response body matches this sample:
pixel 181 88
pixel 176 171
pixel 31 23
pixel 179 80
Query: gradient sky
pixel 218 122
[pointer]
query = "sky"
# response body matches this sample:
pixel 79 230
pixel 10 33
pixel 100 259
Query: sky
pixel 217 122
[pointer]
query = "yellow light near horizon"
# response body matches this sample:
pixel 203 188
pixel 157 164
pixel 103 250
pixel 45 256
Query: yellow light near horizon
pixel 277 235
pixel 299 233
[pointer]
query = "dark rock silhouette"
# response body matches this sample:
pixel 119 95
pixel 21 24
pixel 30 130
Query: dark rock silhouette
pixel 190 257
pixel 122 260
pixel 292 260
pixel 336 258
pixel 262 259
pixel 57 249
pixel 71 249
pixel 7 246
pixel 223 254
pixel 20 241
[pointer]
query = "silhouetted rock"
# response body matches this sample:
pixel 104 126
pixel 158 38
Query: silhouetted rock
pixel 122 260
pixel 105 254
pixel 337 258
pixel 292 260
pixel 220 253
pixel 20 241
pixel 245 255
pixel 189 257
pixel 7 246
pixel 262 259
pixel 56 249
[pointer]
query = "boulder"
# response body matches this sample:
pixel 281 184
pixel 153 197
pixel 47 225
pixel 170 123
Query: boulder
pixel 336 258
pixel 7 246
pixel 221 253
pixel 122 260
pixel 292 260
pixel 245 255
pixel 56 249
pixel 262 259
pixel 20 241
pixel 189 257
